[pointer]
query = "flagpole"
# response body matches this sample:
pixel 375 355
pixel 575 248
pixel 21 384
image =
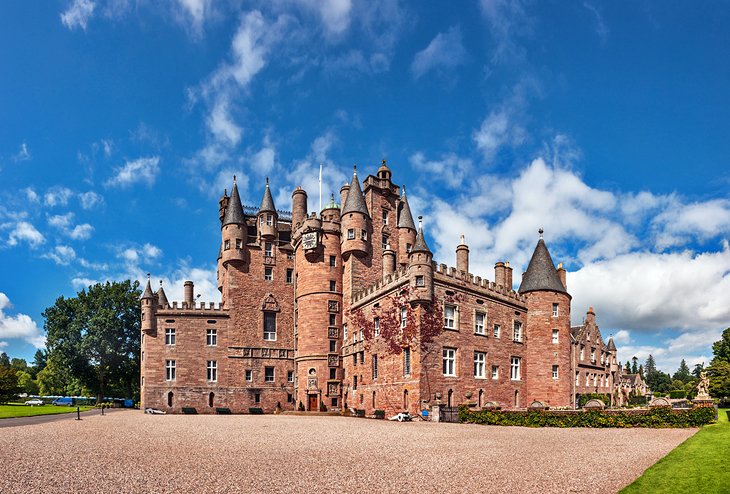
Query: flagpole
pixel 320 187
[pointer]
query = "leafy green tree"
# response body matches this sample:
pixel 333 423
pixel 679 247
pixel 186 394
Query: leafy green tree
pixel 9 388
pixel 39 361
pixel 683 374
pixel 719 374
pixel 641 371
pixel 634 365
pixel 721 348
pixel 52 380
pixel 4 360
pixel 627 367
pixel 19 364
pixel 95 337
pixel 698 370
pixel 26 383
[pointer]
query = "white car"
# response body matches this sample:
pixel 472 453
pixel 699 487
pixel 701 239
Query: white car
pixel 34 402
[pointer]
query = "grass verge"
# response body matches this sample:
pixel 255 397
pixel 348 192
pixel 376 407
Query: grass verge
pixel 11 410
pixel 700 464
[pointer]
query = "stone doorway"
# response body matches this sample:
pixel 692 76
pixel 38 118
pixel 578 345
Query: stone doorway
pixel 313 403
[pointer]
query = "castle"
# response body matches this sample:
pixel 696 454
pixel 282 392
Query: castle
pixel 346 308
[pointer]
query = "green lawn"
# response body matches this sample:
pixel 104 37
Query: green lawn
pixel 20 410
pixel 700 464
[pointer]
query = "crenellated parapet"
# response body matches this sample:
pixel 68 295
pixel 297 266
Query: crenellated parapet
pixel 450 275
pixel 380 287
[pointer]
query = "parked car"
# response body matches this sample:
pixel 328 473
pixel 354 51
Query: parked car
pixel 34 402
pixel 65 402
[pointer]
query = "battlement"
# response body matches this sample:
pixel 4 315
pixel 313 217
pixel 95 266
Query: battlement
pixel 254 211
pixel 449 274
pixel 212 306
pixel 381 286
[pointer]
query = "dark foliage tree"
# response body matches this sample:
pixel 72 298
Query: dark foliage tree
pixel 634 365
pixel 9 388
pixel 627 367
pixel 4 360
pixel 698 369
pixel 641 371
pixel 94 337
pixel 719 374
pixel 683 374
pixel 39 361
pixel 721 348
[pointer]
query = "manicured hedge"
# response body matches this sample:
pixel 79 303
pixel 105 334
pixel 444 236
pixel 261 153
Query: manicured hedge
pixel 655 417
pixel 677 394
pixel 583 399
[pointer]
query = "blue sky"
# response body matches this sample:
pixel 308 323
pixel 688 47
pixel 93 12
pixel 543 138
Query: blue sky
pixel 604 123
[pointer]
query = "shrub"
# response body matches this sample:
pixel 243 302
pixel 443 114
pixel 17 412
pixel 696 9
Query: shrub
pixel 677 394
pixel 379 414
pixel 655 418
pixel 300 407
pixel 606 399
pixel 322 407
pixel 637 400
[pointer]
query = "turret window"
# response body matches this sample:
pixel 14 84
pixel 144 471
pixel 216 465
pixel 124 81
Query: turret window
pixel 269 219
pixel 351 234
pixel 333 261
pixel 226 245
pixel 364 234
pixel 420 281
pixel 169 336
pixel 385 242
pixel 409 247
pixel 239 243
pixel 555 372
pixel 270 326
pixel 333 286
pixel 555 310
pixel 333 319
pixel 555 336
pixel 268 249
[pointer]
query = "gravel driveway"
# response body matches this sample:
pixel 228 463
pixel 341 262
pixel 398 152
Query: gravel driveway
pixel 132 452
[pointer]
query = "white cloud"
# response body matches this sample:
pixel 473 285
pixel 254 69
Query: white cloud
pixel 64 223
pixel 508 22
pixel 449 170
pixel 334 14
pixel 81 232
pixel 90 199
pixel 141 170
pixel 31 194
pixel 144 253
pixel 498 129
pixel 81 283
pixel 221 124
pixel 699 220
pixel 78 14
pixel 23 153
pixel 194 12
pixel 57 196
pixel 19 326
pixel 25 232
pixel 445 51
pixel 61 221
pixel 62 255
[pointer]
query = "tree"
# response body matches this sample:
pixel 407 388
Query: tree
pixel 52 380
pixel 650 366
pixel 39 361
pixel 19 364
pixel 95 338
pixel 683 374
pixel 9 388
pixel 721 348
pixel 627 368
pixel 719 373
pixel 641 371
pixel 26 383
pixel 4 360
pixel 634 365
pixel 698 370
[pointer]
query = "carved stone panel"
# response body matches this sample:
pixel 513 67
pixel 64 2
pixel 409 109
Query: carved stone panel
pixel 265 352
pixel 333 360
pixel 333 389
pixel 333 332
pixel 269 260
pixel 270 304
pixel 311 383
pixel 333 306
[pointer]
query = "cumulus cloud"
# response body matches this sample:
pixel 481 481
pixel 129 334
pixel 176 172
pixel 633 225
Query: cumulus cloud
pixel 78 14
pixel 64 223
pixel 81 232
pixel 135 254
pixel 193 13
pixel 445 51
pixel 31 194
pixel 57 196
pixel 61 255
pixel 90 199
pixel 19 326
pixel 23 231
pixel 141 170
pixel 450 170
pixel 334 14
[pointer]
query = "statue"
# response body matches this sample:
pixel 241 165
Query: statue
pixel 703 387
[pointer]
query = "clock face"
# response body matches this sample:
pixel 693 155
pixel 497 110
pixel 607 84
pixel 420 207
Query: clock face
pixel 309 240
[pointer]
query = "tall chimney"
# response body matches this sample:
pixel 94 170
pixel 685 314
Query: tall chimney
pixel 188 294
pixel 388 261
pixel 462 256
pixel 499 273
pixel 563 274
pixel 507 276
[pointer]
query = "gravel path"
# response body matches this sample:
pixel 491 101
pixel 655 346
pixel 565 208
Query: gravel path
pixel 132 452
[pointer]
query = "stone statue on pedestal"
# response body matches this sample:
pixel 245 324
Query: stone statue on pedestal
pixel 703 387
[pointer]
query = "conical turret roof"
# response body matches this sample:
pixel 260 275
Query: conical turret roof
pixel 405 218
pixel 541 273
pixel 234 211
pixel 420 244
pixel 161 297
pixel 355 201
pixel 267 203
pixel 148 290
pixel 611 345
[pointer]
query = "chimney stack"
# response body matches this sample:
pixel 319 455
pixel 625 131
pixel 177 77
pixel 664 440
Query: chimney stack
pixel 462 256
pixel 188 294
pixel 563 274
pixel 500 273
pixel 507 276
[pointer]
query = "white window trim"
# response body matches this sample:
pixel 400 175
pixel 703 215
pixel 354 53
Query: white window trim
pixel 454 320
pixel 170 370
pixel 448 362
pixel 515 373
pixel 495 372
pixel 480 362
pixel 212 371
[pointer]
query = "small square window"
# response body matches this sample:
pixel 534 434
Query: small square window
pixel 351 234
pixel 420 281
pixel 239 244
pixel 268 274
pixel 555 336
pixel 226 245
pixel 269 374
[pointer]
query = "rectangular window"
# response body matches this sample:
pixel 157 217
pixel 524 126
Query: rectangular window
pixel 169 336
pixel 269 219
pixel 479 322
pixel 290 276
pixel 593 355
pixel 449 362
pixel 257 398
pixel 333 373
pixel 362 335
pixel 555 336
pixel 385 217
pixel 403 317
pixel 364 234
pixel 375 366
pixel 170 374
pixel 333 286
pixel 333 261
pixel 211 337
pixel 577 378
pixel 268 274
pixel 344 333
pixel 407 361
pixel 290 376
pixel 268 249
pixel 555 371
pixel 420 281
pixel 270 326
pixel 602 358
pixel 212 371
pixel 333 319
pixel 354 382
pixel 249 375
pixel 582 352
pixel 376 326
pixel 515 373
pixel 226 245
pixel 409 247
pixel 351 234
pixel 517 331
pixel 555 310
pixel 480 359
pixel 495 372
pixel 333 346
pixel 450 316
pixel 497 330
pixel 269 374
pixel 385 242
pixel 587 379
pixel 239 244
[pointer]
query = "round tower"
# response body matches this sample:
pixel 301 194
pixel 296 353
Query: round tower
pixel 319 310
pixel 268 217
pixel 406 229
pixel 356 222
pixel 149 309
pixel 234 232
pixel 420 269
pixel 462 256
pixel 548 369
pixel 298 208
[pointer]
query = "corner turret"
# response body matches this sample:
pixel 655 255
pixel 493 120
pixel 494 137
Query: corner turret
pixel 406 229
pixel 268 217
pixel 149 309
pixel 162 298
pixel 234 232
pixel 356 222
pixel 420 269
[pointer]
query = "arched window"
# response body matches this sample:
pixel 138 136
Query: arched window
pixel 449 398
pixel 210 399
pixel 373 399
pixel 405 399
pixel 481 395
pixel 169 399
pixel 517 399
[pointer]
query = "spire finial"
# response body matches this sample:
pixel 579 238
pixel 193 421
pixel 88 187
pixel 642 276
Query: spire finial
pixel 383 161
pixel 404 190
pixel 148 277
pixel 354 169
pixel 267 182
pixel 541 231
pixel 160 283
pixel 420 222
pixel 462 239
pixel 234 180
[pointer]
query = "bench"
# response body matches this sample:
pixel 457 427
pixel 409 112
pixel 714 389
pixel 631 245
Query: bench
pixel 256 411
pixel 189 411
pixel 223 411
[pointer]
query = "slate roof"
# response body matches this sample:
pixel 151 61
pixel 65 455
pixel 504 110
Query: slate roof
pixel 148 290
pixel 405 218
pixel 162 298
pixel 355 201
pixel 541 273
pixel 611 345
pixel 267 203
pixel 234 211
pixel 420 244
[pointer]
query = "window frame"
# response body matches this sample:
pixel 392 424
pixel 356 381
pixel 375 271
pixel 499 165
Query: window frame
pixel 479 328
pixel 515 364
pixel 556 336
pixel 268 333
pixel 452 319
pixel 212 371
pixel 517 336
pixel 269 378
pixel 448 362
pixel 170 336
pixel 211 337
pixel 497 330
pixel 556 372
pixel 170 370
pixel 480 362
pixel 268 273
pixel 407 361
